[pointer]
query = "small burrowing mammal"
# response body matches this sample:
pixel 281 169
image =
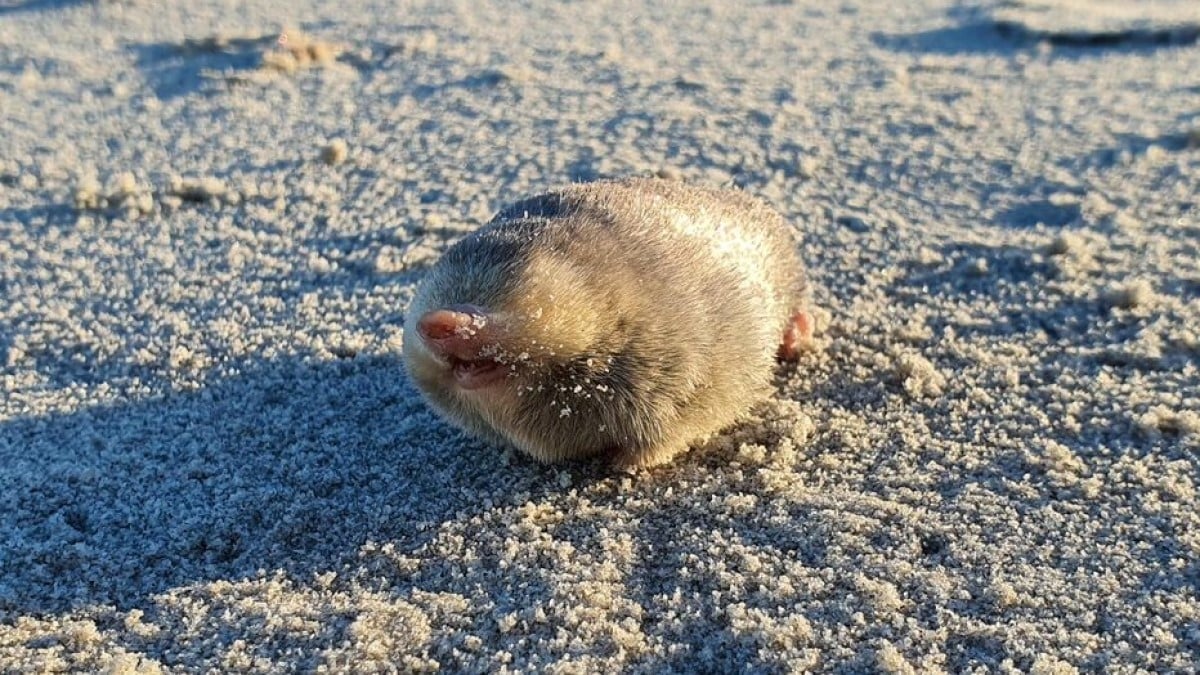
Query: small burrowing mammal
pixel 628 317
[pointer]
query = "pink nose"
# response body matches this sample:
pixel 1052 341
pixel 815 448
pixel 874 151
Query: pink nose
pixel 443 323
pixel 460 331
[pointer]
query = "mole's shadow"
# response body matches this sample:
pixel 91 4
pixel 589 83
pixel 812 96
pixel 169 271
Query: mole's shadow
pixel 287 466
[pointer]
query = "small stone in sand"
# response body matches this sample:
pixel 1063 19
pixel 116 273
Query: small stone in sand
pixel 928 257
pixel 197 189
pixel 87 195
pixel 298 51
pixel 808 166
pixel 335 152
pixel 891 661
pixel 1066 243
pixel 919 376
pixel 1163 420
pixel 124 195
pixel 1132 295
pixel 978 267
pixel 1155 154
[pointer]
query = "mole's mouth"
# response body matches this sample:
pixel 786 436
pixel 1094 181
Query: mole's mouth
pixel 477 373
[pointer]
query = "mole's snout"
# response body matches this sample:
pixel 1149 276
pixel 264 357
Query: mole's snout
pixel 464 337
pixel 451 321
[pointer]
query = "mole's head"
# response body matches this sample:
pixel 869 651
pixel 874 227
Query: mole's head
pixel 497 317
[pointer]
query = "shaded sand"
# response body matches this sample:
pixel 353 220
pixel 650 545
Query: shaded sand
pixel 210 458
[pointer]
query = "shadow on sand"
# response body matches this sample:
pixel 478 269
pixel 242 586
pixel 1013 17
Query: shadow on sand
pixel 974 30
pixel 288 466
pixel 15 6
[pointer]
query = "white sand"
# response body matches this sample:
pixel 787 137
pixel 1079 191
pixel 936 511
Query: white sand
pixel 210 458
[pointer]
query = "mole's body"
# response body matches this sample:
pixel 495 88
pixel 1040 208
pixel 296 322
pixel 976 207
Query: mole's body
pixel 629 317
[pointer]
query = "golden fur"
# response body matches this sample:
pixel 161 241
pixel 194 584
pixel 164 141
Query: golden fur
pixel 634 317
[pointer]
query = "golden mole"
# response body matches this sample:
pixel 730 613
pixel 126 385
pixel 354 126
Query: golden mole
pixel 629 317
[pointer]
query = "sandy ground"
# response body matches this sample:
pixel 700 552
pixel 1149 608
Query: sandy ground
pixel 211 460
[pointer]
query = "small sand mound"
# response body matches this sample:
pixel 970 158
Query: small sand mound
pixel 296 51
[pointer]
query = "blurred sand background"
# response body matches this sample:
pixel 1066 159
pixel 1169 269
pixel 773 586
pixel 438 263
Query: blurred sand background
pixel 213 214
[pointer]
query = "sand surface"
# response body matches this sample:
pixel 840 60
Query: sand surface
pixel 210 228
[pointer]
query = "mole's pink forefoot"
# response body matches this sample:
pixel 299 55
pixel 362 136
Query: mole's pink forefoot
pixel 797 334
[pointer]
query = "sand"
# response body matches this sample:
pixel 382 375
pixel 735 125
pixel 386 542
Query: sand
pixel 213 215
